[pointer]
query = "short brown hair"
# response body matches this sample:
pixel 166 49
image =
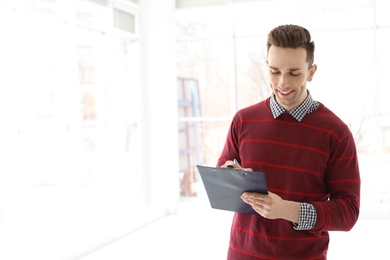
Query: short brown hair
pixel 292 36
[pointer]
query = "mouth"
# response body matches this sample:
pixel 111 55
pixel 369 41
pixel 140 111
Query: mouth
pixel 285 93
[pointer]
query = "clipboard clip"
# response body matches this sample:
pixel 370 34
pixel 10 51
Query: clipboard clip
pixel 242 172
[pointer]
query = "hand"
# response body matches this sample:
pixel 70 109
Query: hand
pixel 236 166
pixel 272 206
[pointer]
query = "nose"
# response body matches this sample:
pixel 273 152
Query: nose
pixel 282 81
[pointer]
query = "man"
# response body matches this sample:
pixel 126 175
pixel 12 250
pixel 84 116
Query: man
pixel 307 153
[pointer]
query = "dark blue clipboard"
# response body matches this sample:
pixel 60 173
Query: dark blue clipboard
pixel 224 187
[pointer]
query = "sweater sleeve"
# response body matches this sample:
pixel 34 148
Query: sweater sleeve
pixel 230 149
pixel 340 212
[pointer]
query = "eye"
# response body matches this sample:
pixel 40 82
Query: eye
pixel 294 74
pixel 275 72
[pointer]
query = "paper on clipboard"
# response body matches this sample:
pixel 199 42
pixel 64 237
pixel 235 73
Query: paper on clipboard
pixel 224 187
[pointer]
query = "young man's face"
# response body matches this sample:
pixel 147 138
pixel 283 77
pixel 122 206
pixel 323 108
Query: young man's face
pixel 288 74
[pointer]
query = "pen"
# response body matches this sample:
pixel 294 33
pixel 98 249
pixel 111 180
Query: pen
pixel 236 162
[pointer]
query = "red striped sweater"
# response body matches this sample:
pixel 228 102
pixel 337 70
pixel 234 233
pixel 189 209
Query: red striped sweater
pixel 312 161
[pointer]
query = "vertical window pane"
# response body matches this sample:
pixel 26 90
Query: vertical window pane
pixel 210 62
pixel 252 79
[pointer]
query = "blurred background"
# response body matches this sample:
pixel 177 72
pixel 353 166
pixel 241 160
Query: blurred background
pixel 108 105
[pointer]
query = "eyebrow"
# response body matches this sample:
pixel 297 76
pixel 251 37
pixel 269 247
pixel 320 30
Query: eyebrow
pixel 292 69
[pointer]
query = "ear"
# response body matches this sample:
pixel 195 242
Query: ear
pixel 312 70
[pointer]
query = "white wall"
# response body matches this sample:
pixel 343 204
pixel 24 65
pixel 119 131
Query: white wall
pixel 159 101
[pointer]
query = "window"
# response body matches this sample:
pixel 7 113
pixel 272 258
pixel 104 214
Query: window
pixel 223 49
pixel 69 128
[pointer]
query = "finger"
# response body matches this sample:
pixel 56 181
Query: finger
pixel 227 164
pixel 258 208
pixel 253 202
pixel 255 196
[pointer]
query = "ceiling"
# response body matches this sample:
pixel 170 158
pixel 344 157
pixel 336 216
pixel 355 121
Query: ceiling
pixel 199 3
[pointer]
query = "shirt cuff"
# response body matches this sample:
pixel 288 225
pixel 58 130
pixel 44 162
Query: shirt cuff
pixel 307 217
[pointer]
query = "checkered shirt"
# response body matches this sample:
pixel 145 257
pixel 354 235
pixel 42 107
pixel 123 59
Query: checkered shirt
pixel 299 112
pixel 307 217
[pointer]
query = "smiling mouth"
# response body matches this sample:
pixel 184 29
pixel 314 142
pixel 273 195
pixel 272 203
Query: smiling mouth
pixel 285 93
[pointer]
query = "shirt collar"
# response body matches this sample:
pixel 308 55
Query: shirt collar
pixel 299 112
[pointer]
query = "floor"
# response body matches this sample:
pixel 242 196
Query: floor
pixel 198 232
